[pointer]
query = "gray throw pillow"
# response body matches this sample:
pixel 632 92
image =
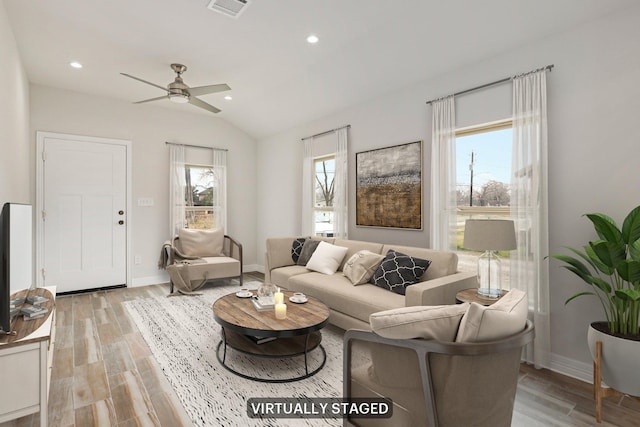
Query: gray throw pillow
pixel 308 249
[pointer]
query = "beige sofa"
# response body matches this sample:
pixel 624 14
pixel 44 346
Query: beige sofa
pixel 351 305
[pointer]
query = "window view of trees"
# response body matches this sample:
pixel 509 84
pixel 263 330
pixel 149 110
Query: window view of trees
pixel 199 196
pixel 483 177
pixel 325 169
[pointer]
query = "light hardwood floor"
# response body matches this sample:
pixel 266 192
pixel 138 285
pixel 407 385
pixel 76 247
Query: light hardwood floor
pixel 105 375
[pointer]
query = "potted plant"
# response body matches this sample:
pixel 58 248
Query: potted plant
pixel 610 266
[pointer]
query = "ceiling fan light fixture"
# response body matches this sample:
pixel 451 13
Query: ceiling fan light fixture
pixel 179 98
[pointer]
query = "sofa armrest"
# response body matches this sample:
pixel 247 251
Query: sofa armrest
pixel 278 254
pixel 440 291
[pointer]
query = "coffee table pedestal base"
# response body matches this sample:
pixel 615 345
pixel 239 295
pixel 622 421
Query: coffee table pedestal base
pixel 281 348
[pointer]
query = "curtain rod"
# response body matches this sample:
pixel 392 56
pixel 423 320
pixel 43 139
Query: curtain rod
pixel 325 132
pixel 497 82
pixel 196 146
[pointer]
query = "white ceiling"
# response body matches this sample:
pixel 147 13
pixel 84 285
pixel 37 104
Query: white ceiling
pixel 278 80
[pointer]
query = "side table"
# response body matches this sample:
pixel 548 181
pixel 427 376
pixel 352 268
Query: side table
pixel 471 295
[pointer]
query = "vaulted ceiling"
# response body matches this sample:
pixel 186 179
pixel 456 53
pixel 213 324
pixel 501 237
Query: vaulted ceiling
pixel 278 80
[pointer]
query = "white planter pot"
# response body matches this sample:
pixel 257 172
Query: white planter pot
pixel 620 362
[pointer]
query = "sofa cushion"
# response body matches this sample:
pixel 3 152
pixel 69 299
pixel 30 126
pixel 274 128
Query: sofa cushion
pixel 438 322
pixel 361 266
pixel 397 271
pixel 280 276
pixel 296 248
pixel 308 249
pixel 443 263
pixel 337 292
pixel 326 258
pixel 505 317
pixel 201 243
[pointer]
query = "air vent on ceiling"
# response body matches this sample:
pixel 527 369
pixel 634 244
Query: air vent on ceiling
pixel 233 8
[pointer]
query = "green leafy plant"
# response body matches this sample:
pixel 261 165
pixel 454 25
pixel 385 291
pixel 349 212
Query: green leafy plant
pixel 611 267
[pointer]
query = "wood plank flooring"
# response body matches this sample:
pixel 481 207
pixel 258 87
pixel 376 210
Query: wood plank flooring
pixel 105 375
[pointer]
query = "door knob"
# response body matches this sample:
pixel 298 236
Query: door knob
pixel 121 222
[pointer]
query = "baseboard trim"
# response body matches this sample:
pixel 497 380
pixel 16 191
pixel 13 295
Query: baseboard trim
pixel 252 267
pixel 163 277
pixel 572 368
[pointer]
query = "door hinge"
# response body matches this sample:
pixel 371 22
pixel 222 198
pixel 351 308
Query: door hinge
pixel 44 156
pixel 44 214
pixel 43 273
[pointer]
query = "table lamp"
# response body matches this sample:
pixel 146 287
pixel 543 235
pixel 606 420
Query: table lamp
pixel 490 236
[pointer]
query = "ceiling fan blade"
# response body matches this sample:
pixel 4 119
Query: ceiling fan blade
pixel 204 90
pixel 198 103
pixel 152 99
pixel 144 81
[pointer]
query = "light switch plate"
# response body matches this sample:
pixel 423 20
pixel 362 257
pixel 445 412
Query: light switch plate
pixel 145 201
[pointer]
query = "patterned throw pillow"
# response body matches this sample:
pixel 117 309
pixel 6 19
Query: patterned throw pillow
pixel 296 248
pixel 308 249
pixel 397 271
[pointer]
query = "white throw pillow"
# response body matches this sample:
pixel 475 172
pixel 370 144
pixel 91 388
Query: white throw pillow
pixel 327 258
pixel 438 322
pixel 505 317
pixel 361 266
pixel 201 243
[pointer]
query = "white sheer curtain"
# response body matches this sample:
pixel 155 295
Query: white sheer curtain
pixel 443 175
pixel 341 187
pixel 529 207
pixel 308 222
pixel 220 186
pixel 177 186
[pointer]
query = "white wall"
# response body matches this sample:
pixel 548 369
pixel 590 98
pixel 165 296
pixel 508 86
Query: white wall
pixel 594 140
pixel 15 177
pixel 149 127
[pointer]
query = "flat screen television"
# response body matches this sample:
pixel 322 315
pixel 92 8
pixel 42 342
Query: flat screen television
pixel 16 257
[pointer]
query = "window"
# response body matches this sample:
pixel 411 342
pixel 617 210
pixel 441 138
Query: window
pixel 483 177
pixel 324 174
pixel 199 196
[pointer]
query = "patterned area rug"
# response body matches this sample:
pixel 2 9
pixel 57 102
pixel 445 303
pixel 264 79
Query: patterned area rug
pixel 183 337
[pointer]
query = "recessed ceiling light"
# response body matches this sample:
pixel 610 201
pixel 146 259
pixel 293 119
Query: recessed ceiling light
pixel 313 39
pixel 75 64
pixel 228 98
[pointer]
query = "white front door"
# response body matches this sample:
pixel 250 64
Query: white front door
pixel 84 218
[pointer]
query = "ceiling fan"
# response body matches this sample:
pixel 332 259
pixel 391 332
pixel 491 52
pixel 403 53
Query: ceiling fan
pixel 179 92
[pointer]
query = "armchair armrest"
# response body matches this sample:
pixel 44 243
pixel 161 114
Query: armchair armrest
pixel 233 248
pixel 440 291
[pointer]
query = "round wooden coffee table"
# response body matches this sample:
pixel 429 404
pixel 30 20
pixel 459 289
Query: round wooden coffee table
pixel 243 327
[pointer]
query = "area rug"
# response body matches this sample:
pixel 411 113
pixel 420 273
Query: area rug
pixel 183 337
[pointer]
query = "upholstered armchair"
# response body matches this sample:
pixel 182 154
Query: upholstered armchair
pixel 197 256
pixel 438 368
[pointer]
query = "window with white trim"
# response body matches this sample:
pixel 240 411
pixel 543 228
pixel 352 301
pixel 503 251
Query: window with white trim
pixel 199 196
pixel 324 169
pixel 483 178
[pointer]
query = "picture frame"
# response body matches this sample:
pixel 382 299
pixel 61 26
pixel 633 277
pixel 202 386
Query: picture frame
pixel 389 187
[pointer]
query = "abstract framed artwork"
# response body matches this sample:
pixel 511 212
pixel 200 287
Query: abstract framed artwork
pixel 389 187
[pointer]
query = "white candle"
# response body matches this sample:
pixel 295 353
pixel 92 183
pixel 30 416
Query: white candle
pixel 281 311
pixel 278 297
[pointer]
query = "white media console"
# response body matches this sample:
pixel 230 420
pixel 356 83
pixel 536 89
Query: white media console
pixel 25 362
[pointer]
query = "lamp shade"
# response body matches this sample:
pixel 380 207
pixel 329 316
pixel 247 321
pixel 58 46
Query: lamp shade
pixel 489 235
